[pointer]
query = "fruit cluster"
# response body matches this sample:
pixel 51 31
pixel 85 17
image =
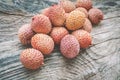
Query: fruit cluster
pixel 66 24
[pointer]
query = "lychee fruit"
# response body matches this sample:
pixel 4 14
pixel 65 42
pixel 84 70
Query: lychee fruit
pixel 41 24
pixel 67 5
pixel 43 43
pixel 58 33
pixel 87 4
pixel 95 15
pixel 83 37
pixel 56 15
pixel 31 58
pixel 82 10
pixel 75 20
pixel 45 11
pixel 25 34
pixel 69 46
pixel 87 25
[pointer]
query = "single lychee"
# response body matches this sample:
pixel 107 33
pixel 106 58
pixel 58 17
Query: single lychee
pixel 87 25
pixel 87 4
pixel 75 20
pixel 95 15
pixel 58 33
pixel 56 15
pixel 25 34
pixel 41 24
pixel 69 46
pixel 43 43
pixel 31 58
pixel 83 37
pixel 67 5
pixel 82 10
pixel 45 11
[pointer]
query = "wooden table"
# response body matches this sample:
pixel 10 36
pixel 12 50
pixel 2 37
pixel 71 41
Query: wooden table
pixel 101 61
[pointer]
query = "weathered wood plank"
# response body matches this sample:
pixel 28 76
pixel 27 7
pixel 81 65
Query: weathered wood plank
pixel 101 61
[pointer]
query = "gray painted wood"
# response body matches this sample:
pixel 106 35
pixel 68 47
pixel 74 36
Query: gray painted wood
pixel 101 61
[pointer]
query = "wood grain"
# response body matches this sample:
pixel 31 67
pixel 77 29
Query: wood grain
pixel 101 61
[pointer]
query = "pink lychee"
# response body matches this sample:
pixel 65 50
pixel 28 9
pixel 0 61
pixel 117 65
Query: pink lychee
pixel 69 46
pixel 41 24
pixel 32 58
pixel 25 34
pixel 83 37
pixel 95 15
pixel 58 33
pixel 43 43
pixel 56 15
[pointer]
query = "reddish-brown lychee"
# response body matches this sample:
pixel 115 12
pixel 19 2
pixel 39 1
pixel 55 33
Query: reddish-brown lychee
pixel 87 25
pixel 83 37
pixel 75 20
pixel 43 43
pixel 69 46
pixel 58 33
pixel 41 24
pixel 32 58
pixel 87 4
pixel 67 5
pixel 95 15
pixel 56 15
pixel 25 34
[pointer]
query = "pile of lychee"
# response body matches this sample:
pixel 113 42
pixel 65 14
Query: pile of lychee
pixel 65 24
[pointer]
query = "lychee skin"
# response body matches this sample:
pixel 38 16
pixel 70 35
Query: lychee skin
pixel 25 34
pixel 32 58
pixel 83 37
pixel 87 4
pixel 69 46
pixel 67 5
pixel 87 25
pixel 56 15
pixel 58 33
pixel 75 20
pixel 95 15
pixel 43 43
pixel 41 24
pixel 82 10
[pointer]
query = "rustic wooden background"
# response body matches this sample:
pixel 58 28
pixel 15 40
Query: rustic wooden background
pixel 101 61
